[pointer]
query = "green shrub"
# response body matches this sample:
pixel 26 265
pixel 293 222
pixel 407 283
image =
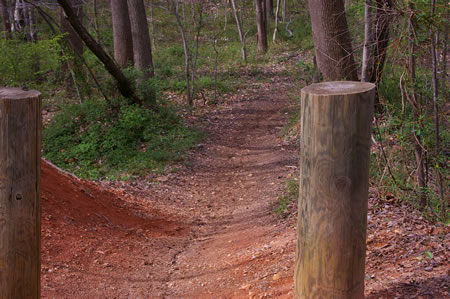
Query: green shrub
pixel 95 142
pixel 24 62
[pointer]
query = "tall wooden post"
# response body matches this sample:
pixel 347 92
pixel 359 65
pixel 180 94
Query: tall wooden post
pixel 20 224
pixel 334 174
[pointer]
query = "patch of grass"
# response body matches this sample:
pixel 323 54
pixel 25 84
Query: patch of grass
pixel 95 141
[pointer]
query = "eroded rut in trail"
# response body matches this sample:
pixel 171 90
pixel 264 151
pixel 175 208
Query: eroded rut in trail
pixel 205 231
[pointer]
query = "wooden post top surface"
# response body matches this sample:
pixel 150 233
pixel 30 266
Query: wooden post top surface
pixel 338 88
pixel 17 93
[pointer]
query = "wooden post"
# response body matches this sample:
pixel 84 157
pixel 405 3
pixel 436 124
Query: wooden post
pixel 20 224
pixel 336 125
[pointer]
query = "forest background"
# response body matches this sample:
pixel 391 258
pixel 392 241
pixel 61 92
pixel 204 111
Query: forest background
pixel 119 104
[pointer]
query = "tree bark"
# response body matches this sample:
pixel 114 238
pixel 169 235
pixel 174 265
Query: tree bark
pixel 20 216
pixel 367 57
pixel 5 18
pixel 241 33
pixel 74 40
pixel 269 9
pixel 31 17
pixel 275 31
pixel 336 126
pixel 123 83
pixel 332 40
pixel 416 107
pixel 261 26
pixel 142 50
pixel 381 38
pixel 444 78
pixel 123 43
pixel 437 147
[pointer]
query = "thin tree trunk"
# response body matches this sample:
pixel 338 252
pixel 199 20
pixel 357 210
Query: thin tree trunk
pixel 418 151
pixel 332 41
pixel 367 57
pixel 283 13
pixel 94 23
pixel 5 18
pixel 241 33
pixel 216 58
pixel 225 2
pixel 276 21
pixel 123 43
pixel 142 50
pixel 381 39
pixel 19 21
pixel 261 35
pixel 444 49
pixel 152 26
pixel 444 203
pixel 437 149
pixel 198 24
pixel 186 52
pixel 31 16
pixel 123 83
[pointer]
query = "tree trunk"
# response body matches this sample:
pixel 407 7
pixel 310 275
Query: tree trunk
pixel 277 10
pixel 225 12
pixel 445 90
pixel 74 40
pixel 437 147
pixel 381 38
pixel 367 57
pixel 336 126
pixel 283 14
pixel 261 34
pixel 269 9
pixel 31 24
pixel 241 33
pixel 5 18
pixel 19 22
pixel 332 40
pixel 20 214
pixel 123 43
pixel 418 150
pixel 123 83
pixel 186 52
pixel 142 50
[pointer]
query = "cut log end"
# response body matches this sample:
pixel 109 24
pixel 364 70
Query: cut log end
pixel 338 88
pixel 15 93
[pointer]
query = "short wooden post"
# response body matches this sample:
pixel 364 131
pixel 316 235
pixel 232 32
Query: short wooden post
pixel 336 122
pixel 20 224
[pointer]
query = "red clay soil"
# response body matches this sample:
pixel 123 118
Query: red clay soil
pixel 209 230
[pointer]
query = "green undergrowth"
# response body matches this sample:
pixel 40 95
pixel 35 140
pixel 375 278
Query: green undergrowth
pixel 95 141
pixel 286 200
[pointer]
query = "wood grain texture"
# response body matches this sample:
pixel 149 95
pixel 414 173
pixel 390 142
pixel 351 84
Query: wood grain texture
pixel 336 120
pixel 20 141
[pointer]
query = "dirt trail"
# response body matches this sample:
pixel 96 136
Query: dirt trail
pixel 208 230
pixel 237 179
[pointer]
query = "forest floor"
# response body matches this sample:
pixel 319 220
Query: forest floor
pixel 208 230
